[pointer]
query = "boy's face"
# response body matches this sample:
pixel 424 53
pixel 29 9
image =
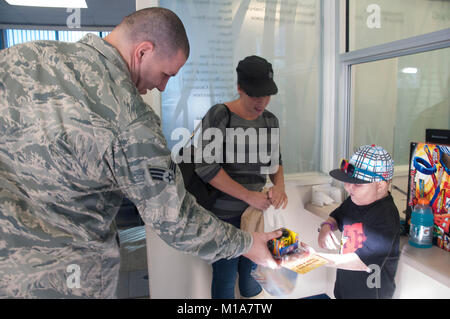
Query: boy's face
pixel 364 194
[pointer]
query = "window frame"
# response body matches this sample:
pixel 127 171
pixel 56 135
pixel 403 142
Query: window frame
pixel 346 60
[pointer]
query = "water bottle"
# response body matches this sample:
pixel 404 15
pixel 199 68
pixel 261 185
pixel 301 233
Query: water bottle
pixel 422 223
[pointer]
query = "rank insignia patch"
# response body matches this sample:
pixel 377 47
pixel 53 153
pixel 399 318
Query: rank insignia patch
pixel 166 175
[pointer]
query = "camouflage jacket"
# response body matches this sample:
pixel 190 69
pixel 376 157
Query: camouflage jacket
pixel 75 138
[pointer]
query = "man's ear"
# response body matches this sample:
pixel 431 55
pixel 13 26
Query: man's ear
pixel 137 53
pixel 143 48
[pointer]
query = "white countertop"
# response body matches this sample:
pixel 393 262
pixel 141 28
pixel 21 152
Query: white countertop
pixel 434 261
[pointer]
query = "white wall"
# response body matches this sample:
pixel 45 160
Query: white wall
pixel 173 274
pixel 414 284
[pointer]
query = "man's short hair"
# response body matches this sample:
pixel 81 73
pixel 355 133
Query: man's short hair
pixel 160 26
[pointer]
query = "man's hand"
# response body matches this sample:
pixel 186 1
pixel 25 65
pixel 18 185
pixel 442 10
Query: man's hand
pixel 259 253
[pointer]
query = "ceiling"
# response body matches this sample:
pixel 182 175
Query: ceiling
pixel 99 13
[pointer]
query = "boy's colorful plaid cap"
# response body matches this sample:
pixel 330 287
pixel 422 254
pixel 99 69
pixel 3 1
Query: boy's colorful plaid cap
pixel 444 149
pixel 370 158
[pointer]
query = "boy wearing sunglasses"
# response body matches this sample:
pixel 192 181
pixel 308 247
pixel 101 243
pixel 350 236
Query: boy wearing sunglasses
pixel 369 222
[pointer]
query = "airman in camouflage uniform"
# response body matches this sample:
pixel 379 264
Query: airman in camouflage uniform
pixel 75 138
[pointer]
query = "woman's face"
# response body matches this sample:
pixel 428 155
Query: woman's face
pixel 254 106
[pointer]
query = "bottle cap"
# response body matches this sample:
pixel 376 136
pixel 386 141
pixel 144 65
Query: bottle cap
pixel 423 201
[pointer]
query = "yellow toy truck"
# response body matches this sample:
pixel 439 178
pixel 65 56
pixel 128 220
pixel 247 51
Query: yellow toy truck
pixel 285 244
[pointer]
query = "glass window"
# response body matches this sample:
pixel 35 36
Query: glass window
pixel 373 22
pixel 73 36
pixel 395 100
pixel 221 33
pixel 16 36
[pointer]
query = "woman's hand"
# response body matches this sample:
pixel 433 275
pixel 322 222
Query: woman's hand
pixel 257 200
pixel 277 196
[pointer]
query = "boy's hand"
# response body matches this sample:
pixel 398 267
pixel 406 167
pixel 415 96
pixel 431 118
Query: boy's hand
pixel 327 239
pixel 292 260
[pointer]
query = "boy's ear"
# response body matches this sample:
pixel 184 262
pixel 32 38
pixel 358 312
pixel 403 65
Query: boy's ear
pixel 383 187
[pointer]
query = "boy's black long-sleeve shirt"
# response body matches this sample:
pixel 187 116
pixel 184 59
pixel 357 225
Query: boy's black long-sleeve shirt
pixel 372 232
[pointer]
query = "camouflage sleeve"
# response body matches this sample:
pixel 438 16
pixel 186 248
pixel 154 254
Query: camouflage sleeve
pixel 142 167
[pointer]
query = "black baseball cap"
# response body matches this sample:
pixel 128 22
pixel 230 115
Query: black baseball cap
pixel 255 76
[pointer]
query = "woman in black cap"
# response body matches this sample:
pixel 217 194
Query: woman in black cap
pixel 242 174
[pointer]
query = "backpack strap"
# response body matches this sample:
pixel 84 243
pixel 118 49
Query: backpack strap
pixel 200 124
pixel 228 114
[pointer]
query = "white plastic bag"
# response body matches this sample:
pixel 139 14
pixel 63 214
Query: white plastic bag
pixel 274 219
pixel 276 282
pixel 325 195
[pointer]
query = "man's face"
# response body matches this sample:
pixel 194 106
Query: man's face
pixel 154 70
